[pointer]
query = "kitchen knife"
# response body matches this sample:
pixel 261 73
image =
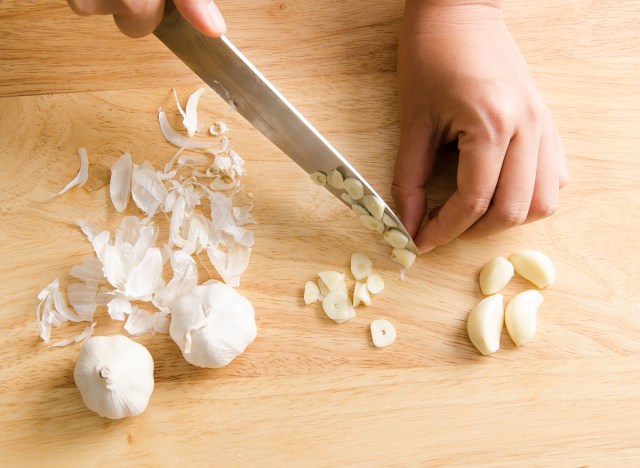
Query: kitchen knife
pixel 223 67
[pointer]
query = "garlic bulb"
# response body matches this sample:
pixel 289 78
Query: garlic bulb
pixel 115 376
pixel 212 325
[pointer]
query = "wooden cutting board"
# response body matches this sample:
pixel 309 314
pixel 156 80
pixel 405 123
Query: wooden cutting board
pixel 308 391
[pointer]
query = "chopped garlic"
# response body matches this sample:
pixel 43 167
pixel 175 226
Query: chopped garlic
pixel 374 204
pixel 361 266
pixel 311 292
pixel 396 238
pixel 361 295
pixel 337 307
pixel 332 279
pixel 359 210
pixel 389 221
pixel 375 284
pixel 319 178
pixel 372 223
pixel 83 173
pixel 403 257
pixel 336 179
pixel 383 333
pixel 354 188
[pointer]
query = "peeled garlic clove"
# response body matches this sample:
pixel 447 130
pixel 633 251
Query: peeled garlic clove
pixel 319 178
pixel 336 179
pixel 375 284
pixel 495 275
pixel 484 324
pixel 372 223
pixel 332 279
pixel 354 188
pixel 361 266
pixel 374 205
pixel 347 198
pixel 534 266
pixel 359 210
pixel 361 295
pixel 403 257
pixel 396 239
pixel 521 316
pixel 311 292
pixel 337 307
pixel 389 221
pixel 115 376
pixel 383 333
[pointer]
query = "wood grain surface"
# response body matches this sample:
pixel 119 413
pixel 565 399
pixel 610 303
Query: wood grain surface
pixel 310 392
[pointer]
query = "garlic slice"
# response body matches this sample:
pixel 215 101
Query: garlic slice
pixel 383 333
pixel 396 238
pixel 359 209
pixel 484 324
pixel 311 292
pixel 521 316
pixel 375 284
pixel 361 295
pixel 374 204
pixel 337 307
pixel 336 179
pixel 389 221
pixel 319 178
pixel 354 188
pixel 403 257
pixel 534 266
pixel 120 184
pixel 495 275
pixel 83 174
pixel 372 223
pixel 347 198
pixel 361 266
pixel 334 280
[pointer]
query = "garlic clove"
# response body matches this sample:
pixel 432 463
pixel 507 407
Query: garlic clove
pixel 403 257
pixel 336 179
pixel 374 205
pixel 332 279
pixel 311 292
pixel 361 295
pixel 361 266
pixel 359 210
pixel 319 178
pixel 521 316
pixel 337 307
pixel 534 266
pixel 389 221
pixel 495 275
pixel 347 198
pixel 354 188
pixel 383 333
pixel 375 284
pixel 484 324
pixel 372 223
pixel 396 239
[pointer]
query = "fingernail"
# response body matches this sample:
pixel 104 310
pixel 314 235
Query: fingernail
pixel 215 18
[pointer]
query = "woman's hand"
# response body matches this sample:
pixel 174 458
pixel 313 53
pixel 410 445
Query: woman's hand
pixel 462 78
pixel 137 18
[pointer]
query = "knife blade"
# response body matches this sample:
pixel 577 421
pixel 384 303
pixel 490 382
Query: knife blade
pixel 230 74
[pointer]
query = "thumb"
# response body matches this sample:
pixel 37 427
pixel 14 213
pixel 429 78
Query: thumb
pixel 414 164
pixel 203 15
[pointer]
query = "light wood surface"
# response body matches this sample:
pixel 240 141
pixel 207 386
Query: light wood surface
pixel 308 391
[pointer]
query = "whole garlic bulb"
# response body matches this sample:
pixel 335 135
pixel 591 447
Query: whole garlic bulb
pixel 212 325
pixel 115 376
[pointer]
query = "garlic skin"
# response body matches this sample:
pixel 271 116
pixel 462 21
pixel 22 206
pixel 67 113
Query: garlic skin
pixel 212 325
pixel 115 376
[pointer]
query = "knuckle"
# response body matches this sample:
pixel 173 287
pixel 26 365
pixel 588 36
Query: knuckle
pixel 499 109
pixel 476 206
pixel 513 216
pixel 544 208
pixel 534 110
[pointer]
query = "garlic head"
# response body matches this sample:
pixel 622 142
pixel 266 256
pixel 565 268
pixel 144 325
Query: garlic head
pixel 115 376
pixel 212 325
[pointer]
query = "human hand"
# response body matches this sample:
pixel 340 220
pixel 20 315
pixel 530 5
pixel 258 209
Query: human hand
pixel 137 18
pixel 462 78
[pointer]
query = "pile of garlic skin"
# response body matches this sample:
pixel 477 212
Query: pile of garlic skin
pixel 331 290
pixel 485 322
pixel 211 323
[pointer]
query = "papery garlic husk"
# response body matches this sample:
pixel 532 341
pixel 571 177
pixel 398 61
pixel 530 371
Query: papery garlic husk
pixel 115 376
pixel 212 325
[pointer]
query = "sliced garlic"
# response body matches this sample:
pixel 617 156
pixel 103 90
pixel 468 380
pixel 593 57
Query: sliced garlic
pixel 361 294
pixel 484 324
pixel 336 179
pixel 521 315
pixel 354 188
pixel 347 198
pixel 319 178
pixel 324 290
pixel 361 266
pixel 375 284
pixel 534 266
pixel 403 257
pixel 372 223
pixel 383 333
pixel 338 307
pixel 359 210
pixel 396 239
pixel 389 221
pixel 311 292
pixel 374 205
pixel 332 279
pixel 495 275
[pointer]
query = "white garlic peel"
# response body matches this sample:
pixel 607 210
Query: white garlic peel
pixel 484 324
pixel 495 275
pixel 212 325
pixel 383 333
pixel 115 376
pixel 534 266
pixel 521 316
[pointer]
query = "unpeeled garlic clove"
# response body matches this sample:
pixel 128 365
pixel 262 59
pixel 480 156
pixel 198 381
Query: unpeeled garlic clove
pixel 337 307
pixel 374 205
pixel 361 266
pixel 354 188
pixel 383 333
pixel 484 324
pixel 521 316
pixel 375 284
pixel 403 257
pixel 396 238
pixel 319 178
pixel 311 292
pixel 495 275
pixel 534 266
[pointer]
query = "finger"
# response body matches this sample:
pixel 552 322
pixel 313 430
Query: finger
pixel 514 191
pixel 413 167
pixel 546 193
pixel 478 172
pixel 203 15
pixel 563 170
pixel 139 18
pixel 104 7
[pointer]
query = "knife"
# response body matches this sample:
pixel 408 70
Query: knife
pixel 228 72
